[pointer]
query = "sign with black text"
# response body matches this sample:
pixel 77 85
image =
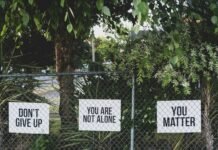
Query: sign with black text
pixel 99 115
pixel 179 116
pixel 32 118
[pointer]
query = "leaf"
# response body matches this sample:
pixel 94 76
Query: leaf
pixel 174 60
pixel 136 2
pixel 212 6
pixel 69 28
pixel 37 23
pixel 216 30
pixel 106 11
pixel 185 83
pixel 71 12
pixel 18 28
pixel 115 1
pixel 2 4
pixel 66 16
pixel 25 18
pixel 99 4
pixel 143 8
pixel 14 6
pixel 30 2
pixel 214 19
pixel 4 30
pixel 176 45
pixel 62 3
pixel 47 35
pixel 171 47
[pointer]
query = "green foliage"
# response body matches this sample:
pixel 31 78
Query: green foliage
pixel 25 18
pixel 106 11
pixel 108 50
pixel 62 17
pixel 62 3
pixel 140 10
pixel 45 142
pixel 100 4
pixel 214 19
pixel 30 2
pixel 69 27
pixel 181 48
pixel 40 143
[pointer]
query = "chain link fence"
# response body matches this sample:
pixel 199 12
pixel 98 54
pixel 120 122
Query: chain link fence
pixel 138 113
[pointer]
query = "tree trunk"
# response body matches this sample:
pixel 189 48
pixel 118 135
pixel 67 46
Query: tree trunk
pixel 65 51
pixel 207 101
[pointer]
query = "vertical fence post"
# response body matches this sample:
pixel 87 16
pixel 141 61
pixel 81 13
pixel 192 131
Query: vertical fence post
pixel 1 136
pixel 93 48
pixel 132 113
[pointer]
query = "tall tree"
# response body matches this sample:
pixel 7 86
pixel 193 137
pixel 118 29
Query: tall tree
pixel 66 23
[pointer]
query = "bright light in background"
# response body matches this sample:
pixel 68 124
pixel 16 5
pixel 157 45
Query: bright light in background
pixel 100 30
pixel 100 33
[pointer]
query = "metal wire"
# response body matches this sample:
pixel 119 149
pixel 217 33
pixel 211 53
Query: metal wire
pixel 64 127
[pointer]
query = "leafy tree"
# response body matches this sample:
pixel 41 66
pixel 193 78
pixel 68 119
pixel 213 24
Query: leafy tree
pixel 67 24
pixel 191 50
pixel 180 51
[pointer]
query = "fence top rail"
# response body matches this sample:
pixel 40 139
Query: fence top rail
pixel 57 74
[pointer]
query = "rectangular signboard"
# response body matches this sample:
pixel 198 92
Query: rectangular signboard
pixel 31 118
pixel 180 116
pixel 99 115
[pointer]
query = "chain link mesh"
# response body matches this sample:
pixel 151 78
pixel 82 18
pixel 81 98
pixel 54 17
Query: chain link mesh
pixel 63 92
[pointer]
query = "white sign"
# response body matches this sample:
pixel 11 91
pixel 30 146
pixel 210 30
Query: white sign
pixel 179 116
pixel 32 118
pixel 99 115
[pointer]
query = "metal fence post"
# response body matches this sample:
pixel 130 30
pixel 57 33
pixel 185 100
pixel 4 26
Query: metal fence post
pixel 1 136
pixel 132 113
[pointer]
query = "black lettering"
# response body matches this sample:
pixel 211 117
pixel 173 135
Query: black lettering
pixel 173 122
pixel 88 118
pixel 27 112
pixel 182 119
pixel 98 118
pixel 187 121
pixel 102 110
pixel 181 110
pixel 166 122
pixel 20 112
pixel 24 121
pixel 192 122
pixel 106 110
pixel 92 110
pixel 109 110
pixel 176 121
pixel 17 122
pixel 89 110
pixel 37 113
pixel 113 120
pixel 174 110
pixel 40 122
pixel 21 122
pixel 179 113
pixel 37 122
pixel 184 111
pixel 28 122
pixel 106 119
